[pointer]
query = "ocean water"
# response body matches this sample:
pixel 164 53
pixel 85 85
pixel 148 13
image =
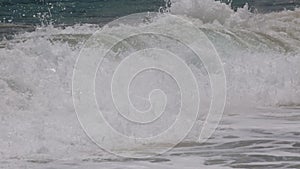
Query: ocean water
pixel 259 46
pixel 97 11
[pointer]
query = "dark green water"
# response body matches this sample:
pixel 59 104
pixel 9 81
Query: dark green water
pixel 71 11
pixel 98 11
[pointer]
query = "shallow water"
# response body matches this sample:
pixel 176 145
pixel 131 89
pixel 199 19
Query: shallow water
pixel 258 138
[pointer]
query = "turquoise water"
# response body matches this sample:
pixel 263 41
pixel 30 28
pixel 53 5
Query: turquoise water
pixel 99 11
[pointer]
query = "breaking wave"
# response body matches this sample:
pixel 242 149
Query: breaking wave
pixel 260 53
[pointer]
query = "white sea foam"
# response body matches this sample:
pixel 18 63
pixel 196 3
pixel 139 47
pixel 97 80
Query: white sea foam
pixel 261 55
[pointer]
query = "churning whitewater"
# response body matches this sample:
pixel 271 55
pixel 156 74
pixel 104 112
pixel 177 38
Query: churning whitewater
pixel 260 54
